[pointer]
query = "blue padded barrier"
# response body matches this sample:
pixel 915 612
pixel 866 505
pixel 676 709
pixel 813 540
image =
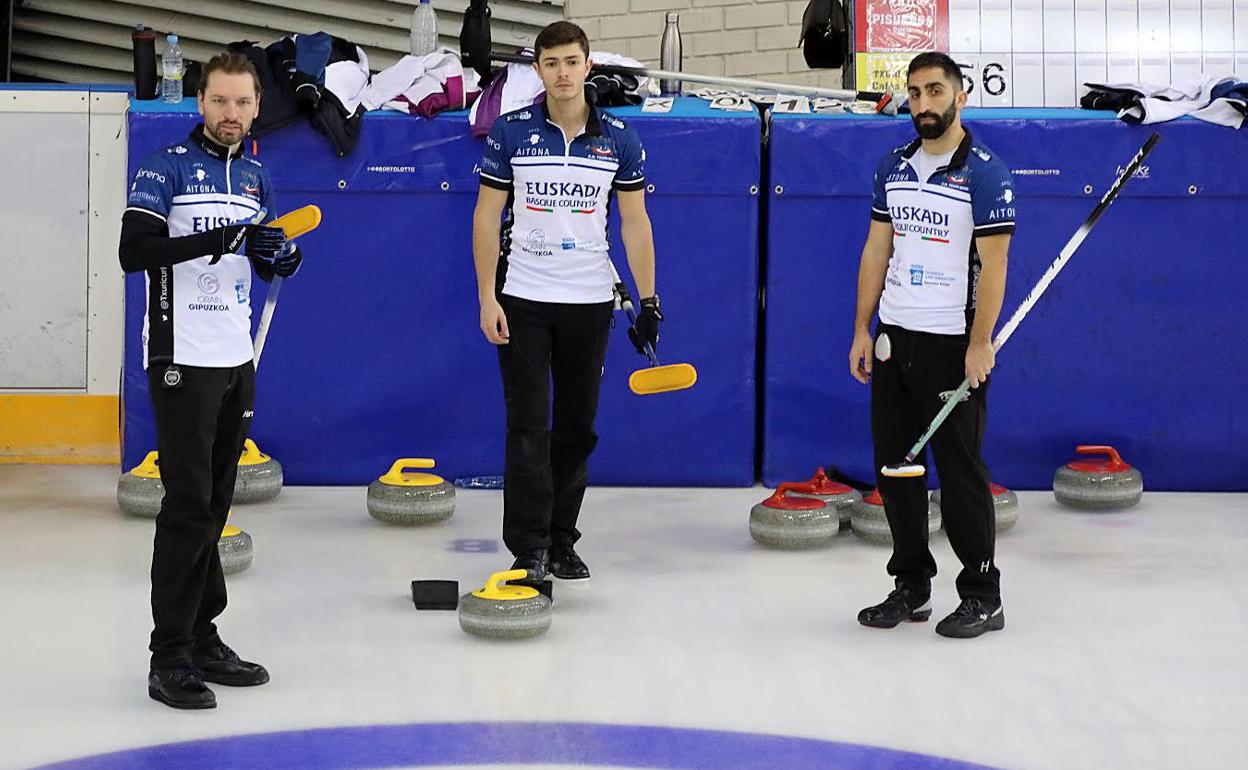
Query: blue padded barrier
pixel 1139 343
pixel 375 351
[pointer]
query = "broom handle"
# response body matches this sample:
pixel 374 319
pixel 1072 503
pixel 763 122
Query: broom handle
pixel 691 77
pixel 626 302
pixel 1041 286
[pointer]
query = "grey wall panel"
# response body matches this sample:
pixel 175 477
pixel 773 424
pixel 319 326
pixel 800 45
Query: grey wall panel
pixel 43 255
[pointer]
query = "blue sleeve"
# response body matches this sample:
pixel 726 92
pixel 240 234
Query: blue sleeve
pixel 992 200
pixel 879 199
pixel 268 197
pixel 631 174
pixel 151 192
pixel 496 162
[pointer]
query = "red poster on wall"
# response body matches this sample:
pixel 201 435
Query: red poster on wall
pixel 902 25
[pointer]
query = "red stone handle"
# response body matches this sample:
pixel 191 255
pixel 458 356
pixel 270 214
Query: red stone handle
pixel 1115 464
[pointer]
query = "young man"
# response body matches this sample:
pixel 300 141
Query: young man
pixel 189 220
pixel 546 295
pixel 935 263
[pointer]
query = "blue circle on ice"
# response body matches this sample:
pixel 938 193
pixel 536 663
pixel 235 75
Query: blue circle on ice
pixel 511 743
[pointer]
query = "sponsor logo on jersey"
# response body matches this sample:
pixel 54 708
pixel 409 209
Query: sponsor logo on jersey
pixel 179 150
pixel 613 121
pixel 982 155
pixel 140 195
pixel 576 197
pixel 240 290
pixel 525 115
pixel 164 290
pixel 916 275
pixel 920 222
pixel 200 189
pixel 492 142
pixel 957 177
pixel 532 152
pixel 209 283
pixel 604 151
pixel 204 224
pixel 535 244
pixel 252 191
pixel 145 173
pixel 200 174
pixel 568 244
pixel 1008 195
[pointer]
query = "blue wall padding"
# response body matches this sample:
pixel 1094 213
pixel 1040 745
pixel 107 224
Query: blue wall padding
pixel 1139 343
pixel 375 351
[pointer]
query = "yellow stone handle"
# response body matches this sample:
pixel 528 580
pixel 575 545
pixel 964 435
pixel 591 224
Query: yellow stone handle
pixel 149 468
pixel 493 586
pixel 251 451
pixel 395 474
pixel 150 463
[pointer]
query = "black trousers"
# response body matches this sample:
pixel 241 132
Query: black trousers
pixel 905 397
pixel 548 447
pixel 200 429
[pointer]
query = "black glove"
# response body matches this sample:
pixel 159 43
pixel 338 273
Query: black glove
pixel 288 261
pixel 647 327
pixel 258 241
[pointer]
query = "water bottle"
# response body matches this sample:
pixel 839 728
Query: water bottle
pixel 669 53
pixel 424 29
pixel 171 64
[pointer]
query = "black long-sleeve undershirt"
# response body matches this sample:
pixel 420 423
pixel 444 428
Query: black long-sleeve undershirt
pixel 146 245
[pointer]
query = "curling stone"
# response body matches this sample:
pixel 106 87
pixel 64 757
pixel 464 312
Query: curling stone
pixel 235 550
pixel 837 495
pixel 411 498
pixel 500 611
pixel 794 522
pixel 259 476
pixel 1004 505
pixel 1100 484
pixel 139 492
pixel 869 522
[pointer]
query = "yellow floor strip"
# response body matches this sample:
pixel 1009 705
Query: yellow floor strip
pixel 59 429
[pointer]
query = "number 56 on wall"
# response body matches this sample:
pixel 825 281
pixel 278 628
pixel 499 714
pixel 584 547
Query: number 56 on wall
pixel 988 79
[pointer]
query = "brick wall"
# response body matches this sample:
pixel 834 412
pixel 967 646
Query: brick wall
pixel 737 38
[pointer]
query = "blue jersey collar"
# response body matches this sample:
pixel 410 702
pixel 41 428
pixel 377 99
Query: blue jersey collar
pixel 593 125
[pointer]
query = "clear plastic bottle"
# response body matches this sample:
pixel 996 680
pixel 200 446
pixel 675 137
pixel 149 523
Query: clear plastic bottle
pixel 424 29
pixel 171 72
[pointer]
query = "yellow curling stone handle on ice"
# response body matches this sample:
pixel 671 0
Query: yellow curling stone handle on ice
pixel 149 468
pixel 252 455
pixel 397 478
pixel 496 590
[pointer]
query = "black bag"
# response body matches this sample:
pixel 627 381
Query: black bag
pixel 474 39
pixel 825 34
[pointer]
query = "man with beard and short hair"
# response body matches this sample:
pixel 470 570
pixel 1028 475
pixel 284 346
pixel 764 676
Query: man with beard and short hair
pixel 191 215
pixel 934 262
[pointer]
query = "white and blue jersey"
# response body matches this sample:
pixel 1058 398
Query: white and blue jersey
pixel 933 273
pixel 554 242
pixel 199 314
